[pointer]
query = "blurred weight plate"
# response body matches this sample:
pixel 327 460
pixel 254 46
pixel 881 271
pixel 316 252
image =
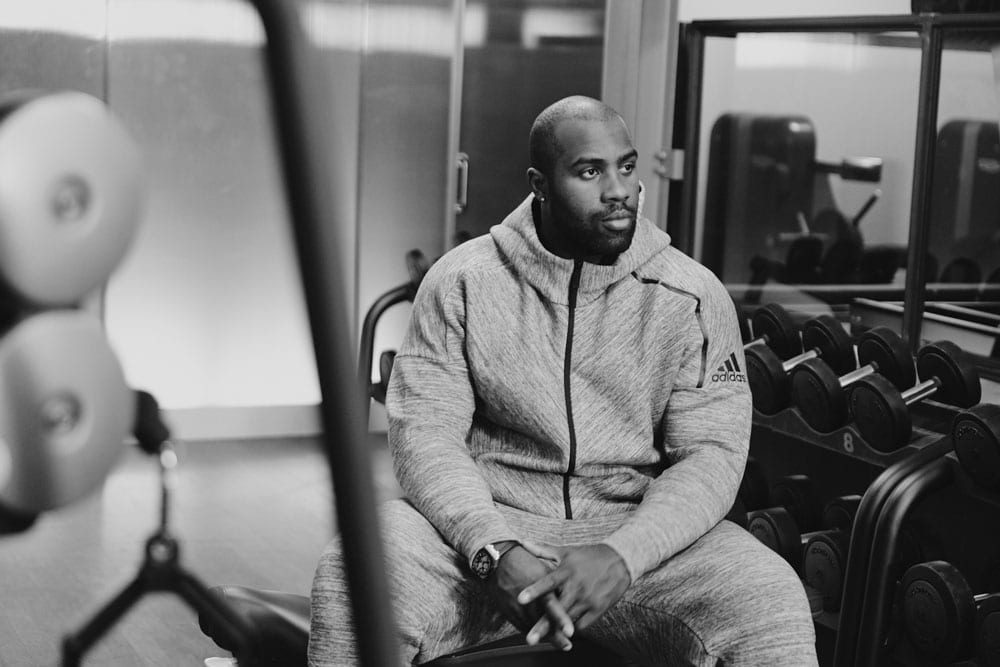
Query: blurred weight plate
pixel 65 410
pixel 70 195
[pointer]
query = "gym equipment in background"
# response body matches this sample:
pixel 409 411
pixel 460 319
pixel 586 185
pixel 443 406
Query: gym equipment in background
pixel 823 337
pixel 941 618
pixel 976 435
pixel 771 325
pixel 881 413
pixel 161 570
pixel 965 198
pixel 71 192
pixel 819 394
pixel 769 212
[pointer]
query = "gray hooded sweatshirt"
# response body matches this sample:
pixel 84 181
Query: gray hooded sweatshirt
pixel 570 391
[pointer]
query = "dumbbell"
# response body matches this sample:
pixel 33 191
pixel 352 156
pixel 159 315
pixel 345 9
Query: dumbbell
pixel 70 196
pixel 819 393
pixel 942 618
pixel 793 509
pixel 824 554
pixel 774 328
pixel 975 434
pixel 816 550
pixel 822 337
pixel 881 412
pixel 65 410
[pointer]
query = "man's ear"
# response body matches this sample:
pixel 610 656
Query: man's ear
pixel 538 183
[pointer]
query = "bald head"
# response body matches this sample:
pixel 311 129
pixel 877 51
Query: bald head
pixel 543 145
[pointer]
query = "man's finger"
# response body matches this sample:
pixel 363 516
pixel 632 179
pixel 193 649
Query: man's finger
pixel 558 615
pixel 546 584
pixel 556 638
pixel 538 630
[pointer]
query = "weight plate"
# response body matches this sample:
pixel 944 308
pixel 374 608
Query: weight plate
pixel 823 561
pixel 827 336
pixel 777 530
pixel 65 410
pixel 880 414
pixel 839 512
pixel 769 382
pixel 774 323
pixel 938 610
pixel 889 353
pixel 959 380
pixel 818 395
pixel 975 434
pixel 70 197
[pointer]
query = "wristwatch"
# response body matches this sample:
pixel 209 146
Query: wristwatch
pixel 485 561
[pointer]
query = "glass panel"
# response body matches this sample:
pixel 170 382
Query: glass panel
pixel 963 279
pixel 806 166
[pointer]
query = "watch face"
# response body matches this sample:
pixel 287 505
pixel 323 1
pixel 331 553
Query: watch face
pixel 482 564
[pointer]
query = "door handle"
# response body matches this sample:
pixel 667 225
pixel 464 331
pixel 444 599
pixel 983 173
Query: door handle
pixel 462 199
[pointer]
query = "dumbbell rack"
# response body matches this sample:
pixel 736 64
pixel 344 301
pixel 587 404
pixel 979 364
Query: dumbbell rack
pixel 843 462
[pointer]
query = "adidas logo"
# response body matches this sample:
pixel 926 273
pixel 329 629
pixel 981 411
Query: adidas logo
pixel 729 371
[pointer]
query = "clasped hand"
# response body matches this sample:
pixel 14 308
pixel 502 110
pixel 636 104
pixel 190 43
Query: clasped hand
pixel 556 591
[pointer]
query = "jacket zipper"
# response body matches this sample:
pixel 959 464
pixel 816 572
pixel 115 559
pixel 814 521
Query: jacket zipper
pixel 574 287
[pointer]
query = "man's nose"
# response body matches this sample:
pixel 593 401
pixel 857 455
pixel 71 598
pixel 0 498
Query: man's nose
pixel 615 187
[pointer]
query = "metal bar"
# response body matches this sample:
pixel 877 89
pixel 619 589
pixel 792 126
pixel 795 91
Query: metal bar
pixel 862 536
pixel 684 233
pixel 920 197
pixel 875 613
pixel 901 22
pixel 299 95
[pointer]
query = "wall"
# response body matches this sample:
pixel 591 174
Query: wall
pixel 208 312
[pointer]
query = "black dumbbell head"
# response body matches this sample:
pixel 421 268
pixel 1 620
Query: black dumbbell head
pixel 768 381
pixel 839 512
pixel 824 559
pixel 883 348
pixel 818 395
pixel 816 388
pixel 776 528
pixel 944 360
pixel 975 434
pixel 825 334
pixel 880 413
pixel 774 322
pixel 938 611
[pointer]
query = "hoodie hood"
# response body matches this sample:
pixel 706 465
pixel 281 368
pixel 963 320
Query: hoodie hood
pixel 517 240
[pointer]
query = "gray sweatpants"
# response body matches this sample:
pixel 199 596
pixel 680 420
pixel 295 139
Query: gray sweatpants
pixel 725 599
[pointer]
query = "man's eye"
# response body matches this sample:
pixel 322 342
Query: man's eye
pixel 628 167
pixel 589 172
